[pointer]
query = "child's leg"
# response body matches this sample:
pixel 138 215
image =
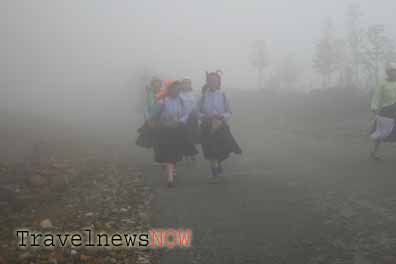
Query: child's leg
pixel 174 170
pixel 171 170
pixel 375 150
pixel 219 168
pixel 214 168
pixel 164 168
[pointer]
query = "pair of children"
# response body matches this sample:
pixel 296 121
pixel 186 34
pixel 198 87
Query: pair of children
pixel 175 130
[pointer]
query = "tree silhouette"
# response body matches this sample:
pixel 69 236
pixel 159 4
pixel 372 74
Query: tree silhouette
pixel 259 59
pixel 355 38
pixel 328 55
pixel 379 50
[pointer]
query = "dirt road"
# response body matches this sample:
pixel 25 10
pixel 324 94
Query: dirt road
pixel 297 200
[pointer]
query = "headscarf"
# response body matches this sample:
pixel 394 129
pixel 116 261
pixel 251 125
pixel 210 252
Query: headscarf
pixel 217 74
pixel 154 79
pixel 390 69
pixel 164 91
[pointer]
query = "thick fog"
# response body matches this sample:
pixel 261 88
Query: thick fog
pixel 301 106
pixel 63 44
pixel 81 60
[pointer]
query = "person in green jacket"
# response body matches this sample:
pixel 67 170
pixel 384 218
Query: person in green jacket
pixel 146 132
pixel 383 104
pixel 151 106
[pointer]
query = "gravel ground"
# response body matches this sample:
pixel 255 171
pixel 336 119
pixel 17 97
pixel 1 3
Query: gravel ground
pixel 330 205
pixel 63 196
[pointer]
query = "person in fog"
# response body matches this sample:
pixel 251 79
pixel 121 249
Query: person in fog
pixel 151 109
pixel 190 104
pixel 384 106
pixel 171 138
pixel 216 138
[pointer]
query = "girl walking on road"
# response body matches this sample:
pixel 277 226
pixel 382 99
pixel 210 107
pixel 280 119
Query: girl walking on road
pixel 171 136
pixel 216 138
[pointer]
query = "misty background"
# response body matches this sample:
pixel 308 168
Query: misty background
pixel 79 64
pixel 299 77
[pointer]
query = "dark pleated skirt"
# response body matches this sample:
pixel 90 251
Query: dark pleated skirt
pixel 218 145
pixel 171 144
pixel 193 130
pixel 388 112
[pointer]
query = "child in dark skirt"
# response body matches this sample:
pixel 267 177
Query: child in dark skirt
pixel 171 138
pixel 216 138
pixel 190 103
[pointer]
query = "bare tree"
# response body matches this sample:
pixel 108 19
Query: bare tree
pixel 355 38
pixel 259 59
pixel 379 49
pixel 328 56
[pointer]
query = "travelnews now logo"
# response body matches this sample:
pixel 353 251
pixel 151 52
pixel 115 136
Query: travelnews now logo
pixel 154 238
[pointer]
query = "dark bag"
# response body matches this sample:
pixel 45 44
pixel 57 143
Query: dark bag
pixel 145 138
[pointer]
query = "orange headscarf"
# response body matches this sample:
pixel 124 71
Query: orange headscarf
pixel 164 91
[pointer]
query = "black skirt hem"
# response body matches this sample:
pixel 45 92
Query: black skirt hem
pixel 172 144
pixel 218 145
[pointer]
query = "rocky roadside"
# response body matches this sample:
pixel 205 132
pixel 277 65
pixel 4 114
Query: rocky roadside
pixel 68 196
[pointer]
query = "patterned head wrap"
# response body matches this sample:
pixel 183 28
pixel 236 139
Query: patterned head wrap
pixel 164 92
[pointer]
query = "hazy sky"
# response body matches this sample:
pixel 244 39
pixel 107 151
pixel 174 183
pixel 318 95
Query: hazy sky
pixel 68 46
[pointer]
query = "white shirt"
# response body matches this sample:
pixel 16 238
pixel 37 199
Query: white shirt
pixel 172 109
pixel 190 101
pixel 215 102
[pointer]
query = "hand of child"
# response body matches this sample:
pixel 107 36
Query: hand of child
pixel 219 117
